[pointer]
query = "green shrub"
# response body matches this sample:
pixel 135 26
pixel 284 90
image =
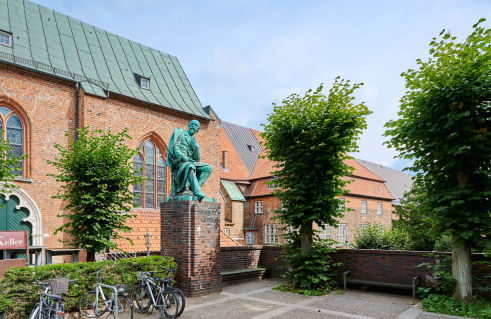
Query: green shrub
pixel 376 236
pixel 443 243
pixel 18 294
pixel 447 305
pixel 310 274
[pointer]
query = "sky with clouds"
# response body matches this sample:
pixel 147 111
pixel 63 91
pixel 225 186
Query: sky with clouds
pixel 242 56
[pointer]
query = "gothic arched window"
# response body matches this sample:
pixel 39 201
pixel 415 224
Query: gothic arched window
pixel 14 133
pixel 152 190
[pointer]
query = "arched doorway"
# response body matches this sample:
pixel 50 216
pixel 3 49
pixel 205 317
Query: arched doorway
pixel 13 218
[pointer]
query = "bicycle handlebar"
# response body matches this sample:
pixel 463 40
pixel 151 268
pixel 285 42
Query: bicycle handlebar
pixel 170 270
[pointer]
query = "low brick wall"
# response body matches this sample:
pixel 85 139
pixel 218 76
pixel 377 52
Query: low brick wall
pixel 268 260
pixel 239 257
pixel 245 257
pixel 391 265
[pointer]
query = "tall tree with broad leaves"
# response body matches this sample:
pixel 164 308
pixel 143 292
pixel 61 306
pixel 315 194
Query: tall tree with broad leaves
pixel 309 138
pixel 96 175
pixel 445 127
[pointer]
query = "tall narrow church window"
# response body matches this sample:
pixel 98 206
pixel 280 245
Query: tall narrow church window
pixel 152 190
pixel 14 133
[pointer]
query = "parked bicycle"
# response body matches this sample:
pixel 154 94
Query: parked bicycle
pixel 95 304
pixel 157 292
pixel 50 305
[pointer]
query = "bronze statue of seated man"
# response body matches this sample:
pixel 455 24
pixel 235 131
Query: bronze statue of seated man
pixel 183 158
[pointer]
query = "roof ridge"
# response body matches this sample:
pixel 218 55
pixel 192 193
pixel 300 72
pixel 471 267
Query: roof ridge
pixel 395 170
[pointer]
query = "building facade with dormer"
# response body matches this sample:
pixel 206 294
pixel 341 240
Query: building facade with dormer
pixel 58 74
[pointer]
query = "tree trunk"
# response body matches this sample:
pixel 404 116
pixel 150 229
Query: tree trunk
pixel 462 271
pixel 90 256
pixel 306 239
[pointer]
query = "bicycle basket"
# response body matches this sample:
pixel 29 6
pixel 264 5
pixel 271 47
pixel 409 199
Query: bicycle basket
pixel 59 285
pixel 141 276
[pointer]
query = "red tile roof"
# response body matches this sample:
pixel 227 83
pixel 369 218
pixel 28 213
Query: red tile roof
pixel 226 240
pixel 145 220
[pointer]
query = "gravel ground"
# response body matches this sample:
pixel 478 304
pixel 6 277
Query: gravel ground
pixel 285 297
pixel 307 314
pixel 251 286
pixel 368 304
pixel 231 309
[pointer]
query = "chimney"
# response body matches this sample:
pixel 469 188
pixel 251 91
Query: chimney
pixel 224 159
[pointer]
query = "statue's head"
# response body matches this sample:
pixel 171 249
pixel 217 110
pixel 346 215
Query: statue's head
pixel 194 126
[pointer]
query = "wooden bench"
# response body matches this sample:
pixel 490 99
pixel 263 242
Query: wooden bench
pixel 241 274
pixel 408 284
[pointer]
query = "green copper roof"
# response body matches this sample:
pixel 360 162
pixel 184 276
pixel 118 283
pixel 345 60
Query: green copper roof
pixel 51 42
pixel 233 191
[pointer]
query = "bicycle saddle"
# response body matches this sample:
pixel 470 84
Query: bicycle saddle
pixel 54 297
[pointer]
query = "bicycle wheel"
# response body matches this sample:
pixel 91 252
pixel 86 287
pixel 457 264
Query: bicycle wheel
pixel 87 305
pixel 124 308
pixel 140 299
pixel 181 298
pixel 169 304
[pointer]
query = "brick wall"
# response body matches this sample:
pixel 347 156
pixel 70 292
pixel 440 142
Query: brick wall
pixel 240 257
pixel 46 106
pixel 269 256
pixel 352 219
pixel 190 233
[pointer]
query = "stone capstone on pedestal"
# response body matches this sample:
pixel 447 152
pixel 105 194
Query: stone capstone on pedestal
pixel 190 232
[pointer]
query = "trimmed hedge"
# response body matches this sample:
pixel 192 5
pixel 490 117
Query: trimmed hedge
pixel 18 294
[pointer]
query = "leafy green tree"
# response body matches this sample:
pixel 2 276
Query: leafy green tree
pixel 444 126
pixel 308 137
pixel 96 172
pixel 9 166
pixel 377 236
pixel 411 218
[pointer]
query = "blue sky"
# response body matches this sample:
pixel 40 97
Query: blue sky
pixel 242 56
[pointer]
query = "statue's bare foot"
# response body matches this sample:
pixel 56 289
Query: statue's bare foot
pixel 200 194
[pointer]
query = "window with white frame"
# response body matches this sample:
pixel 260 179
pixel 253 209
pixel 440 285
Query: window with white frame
pixel 6 39
pixel 342 235
pixel 379 208
pixel 325 232
pixel 145 83
pixel 250 238
pixel 290 230
pixel 258 207
pixel 342 204
pixel 363 206
pixel 227 231
pixel 246 204
pixel 270 234
pixel 272 186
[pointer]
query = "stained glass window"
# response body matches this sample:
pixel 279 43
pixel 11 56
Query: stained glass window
pixel 152 190
pixel 14 133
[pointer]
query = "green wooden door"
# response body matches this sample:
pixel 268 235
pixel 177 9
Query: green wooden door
pixel 11 218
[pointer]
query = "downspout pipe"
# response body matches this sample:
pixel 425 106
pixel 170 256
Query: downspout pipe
pixel 76 111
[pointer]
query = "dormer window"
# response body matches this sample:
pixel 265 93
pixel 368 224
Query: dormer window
pixel 145 84
pixel 5 39
pixel 252 148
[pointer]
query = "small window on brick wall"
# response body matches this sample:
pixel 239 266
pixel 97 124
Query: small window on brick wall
pixel 363 206
pixel 250 238
pixel 258 207
pixel 227 231
pixel 379 208
pixel 325 232
pixel 342 235
pixel 246 204
pixel 13 132
pixel 270 234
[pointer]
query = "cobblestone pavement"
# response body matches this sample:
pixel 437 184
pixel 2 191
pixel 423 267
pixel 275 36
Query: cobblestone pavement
pixel 257 300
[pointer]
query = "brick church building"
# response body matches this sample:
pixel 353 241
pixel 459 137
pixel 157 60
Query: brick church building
pixel 58 74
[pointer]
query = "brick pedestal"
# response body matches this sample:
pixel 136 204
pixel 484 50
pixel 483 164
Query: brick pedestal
pixel 190 232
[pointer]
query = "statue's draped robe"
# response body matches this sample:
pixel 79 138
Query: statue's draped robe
pixel 182 144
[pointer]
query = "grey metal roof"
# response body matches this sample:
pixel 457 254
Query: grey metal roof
pixel 241 137
pixel 50 42
pixel 397 182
